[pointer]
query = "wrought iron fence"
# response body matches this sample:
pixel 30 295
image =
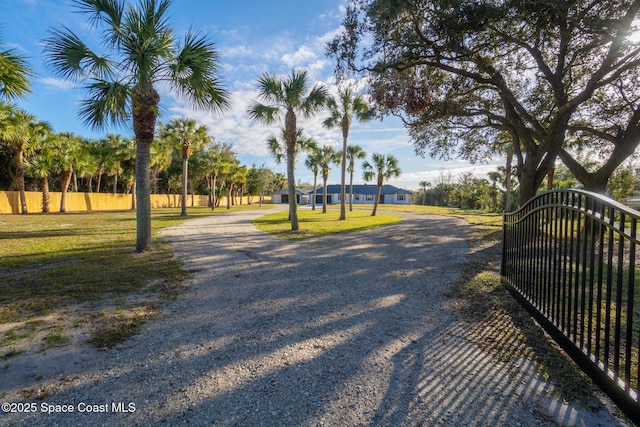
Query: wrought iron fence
pixel 572 258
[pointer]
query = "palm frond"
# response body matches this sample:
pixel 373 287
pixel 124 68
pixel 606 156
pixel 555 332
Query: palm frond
pixel 271 89
pixel 194 74
pixel 106 102
pixel 70 58
pixel 108 11
pixel 14 75
pixel 266 114
pixel 315 101
pixel 276 149
pixel 295 86
pixel 333 120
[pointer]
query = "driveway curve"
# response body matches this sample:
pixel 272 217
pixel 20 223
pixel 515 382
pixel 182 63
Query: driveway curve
pixel 353 329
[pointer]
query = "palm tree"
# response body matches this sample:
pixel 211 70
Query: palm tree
pixel 278 146
pixel 41 165
pixel 20 130
pixel 144 52
pixel 353 152
pixel 65 148
pixel 382 167
pixel 219 161
pixel 288 96
pixel 424 185
pixel 326 156
pixel 347 105
pixel 279 181
pixel 183 133
pixel 313 163
pixel 14 75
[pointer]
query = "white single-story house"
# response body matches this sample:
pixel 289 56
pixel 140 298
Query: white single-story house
pixel 365 194
pixel 282 196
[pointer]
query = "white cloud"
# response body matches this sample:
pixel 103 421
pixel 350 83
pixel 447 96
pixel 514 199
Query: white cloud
pixel 58 83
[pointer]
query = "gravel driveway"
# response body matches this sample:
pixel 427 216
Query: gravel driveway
pixel 349 330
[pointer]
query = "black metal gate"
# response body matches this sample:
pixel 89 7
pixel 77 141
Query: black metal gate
pixel 572 258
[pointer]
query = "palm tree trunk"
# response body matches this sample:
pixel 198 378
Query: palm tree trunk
pixel 183 200
pixel 133 196
pixel 45 195
pixel 351 191
pixel 98 183
pixel 378 191
pixel 229 195
pixel 343 172
pixel 315 184
pixel 324 194
pixel 64 184
pixel 213 191
pixel 20 179
pixel 145 107
pixel 290 131
pixel 115 183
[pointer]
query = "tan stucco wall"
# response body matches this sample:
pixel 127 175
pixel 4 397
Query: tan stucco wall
pixel 82 202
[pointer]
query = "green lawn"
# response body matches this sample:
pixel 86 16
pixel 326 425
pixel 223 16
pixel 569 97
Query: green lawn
pixel 51 262
pixel 315 223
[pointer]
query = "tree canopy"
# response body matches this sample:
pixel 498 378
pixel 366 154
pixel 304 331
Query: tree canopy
pixel 547 74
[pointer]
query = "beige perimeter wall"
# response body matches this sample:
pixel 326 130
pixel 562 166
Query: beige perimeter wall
pixel 83 202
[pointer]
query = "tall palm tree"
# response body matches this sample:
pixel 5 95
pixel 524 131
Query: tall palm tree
pixel 184 133
pixel 382 167
pixel 326 156
pixel 14 75
pixel 354 152
pixel 288 96
pixel 313 163
pixel 342 109
pixel 144 52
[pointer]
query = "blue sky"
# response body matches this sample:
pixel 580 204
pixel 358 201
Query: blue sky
pixel 252 37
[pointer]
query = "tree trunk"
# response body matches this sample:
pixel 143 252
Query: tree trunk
pixel 145 107
pixel 343 172
pixel 375 203
pixel 324 193
pixel 65 180
pixel 213 191
pixel 351 191
pixel 20 179
pixel 133 196
pixel 509 196
pixel 290 131
pixel 183 199
pixel 229 194
pixel 315 183
pixel 45 195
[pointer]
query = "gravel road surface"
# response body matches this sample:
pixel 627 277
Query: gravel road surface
pixel 353 329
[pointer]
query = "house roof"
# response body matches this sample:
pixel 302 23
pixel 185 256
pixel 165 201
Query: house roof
pixel 285 191
pixel 364 189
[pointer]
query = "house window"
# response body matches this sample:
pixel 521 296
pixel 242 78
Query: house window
pixel 400 197
pixel 369 196
pixel 356 196
pixel 340 196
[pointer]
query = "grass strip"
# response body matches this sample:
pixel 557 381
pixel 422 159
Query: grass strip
pixel 316 224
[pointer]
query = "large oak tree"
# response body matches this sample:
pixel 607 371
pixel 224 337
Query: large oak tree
pixel 548 73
